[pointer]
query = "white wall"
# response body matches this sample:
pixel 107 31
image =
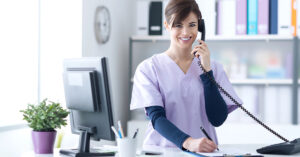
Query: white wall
pixel 116 49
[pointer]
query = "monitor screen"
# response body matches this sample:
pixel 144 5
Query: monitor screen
pixel 87 94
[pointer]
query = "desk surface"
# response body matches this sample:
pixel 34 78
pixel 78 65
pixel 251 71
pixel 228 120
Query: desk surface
pixel 248 148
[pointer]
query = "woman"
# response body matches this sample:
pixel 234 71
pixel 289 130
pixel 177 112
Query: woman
pixel 169 88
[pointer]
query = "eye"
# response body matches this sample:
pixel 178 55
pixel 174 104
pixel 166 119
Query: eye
pixel 178 25
pixel 192 25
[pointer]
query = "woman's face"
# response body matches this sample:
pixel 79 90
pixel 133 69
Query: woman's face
pixel 183 34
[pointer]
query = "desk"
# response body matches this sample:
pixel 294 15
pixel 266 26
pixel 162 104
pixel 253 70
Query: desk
pixel 249 148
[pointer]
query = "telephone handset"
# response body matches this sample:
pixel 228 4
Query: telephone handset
pixel 281 148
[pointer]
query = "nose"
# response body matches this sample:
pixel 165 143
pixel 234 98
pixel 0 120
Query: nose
pixel 185 30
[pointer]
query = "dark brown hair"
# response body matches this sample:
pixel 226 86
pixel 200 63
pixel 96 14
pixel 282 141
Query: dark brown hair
pixel 180 9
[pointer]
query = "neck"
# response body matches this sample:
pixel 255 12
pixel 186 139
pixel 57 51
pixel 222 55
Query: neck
pixel 180 54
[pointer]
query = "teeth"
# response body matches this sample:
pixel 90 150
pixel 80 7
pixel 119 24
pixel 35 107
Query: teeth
pixel 185 38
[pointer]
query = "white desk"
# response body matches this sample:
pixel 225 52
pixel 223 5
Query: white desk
pixel 251 148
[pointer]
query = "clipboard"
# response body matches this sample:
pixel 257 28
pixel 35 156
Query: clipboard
pixel 224 155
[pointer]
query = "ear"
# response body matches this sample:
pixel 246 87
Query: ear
pixel 167 26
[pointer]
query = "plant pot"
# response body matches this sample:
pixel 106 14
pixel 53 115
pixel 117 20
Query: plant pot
pixel 43 142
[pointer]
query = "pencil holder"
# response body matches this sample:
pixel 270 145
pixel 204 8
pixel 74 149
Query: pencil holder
pixel 126 147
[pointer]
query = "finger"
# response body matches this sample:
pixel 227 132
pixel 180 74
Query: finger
pixel 203 149
pixel 212 144
pixel 198 53
pixel 195 50
pixel 202 42
pixel 207 148
pixel 202 47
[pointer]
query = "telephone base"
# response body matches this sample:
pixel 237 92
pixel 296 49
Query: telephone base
pixel 286 148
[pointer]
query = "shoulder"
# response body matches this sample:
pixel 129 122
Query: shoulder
pixel 217 68
pixel 150 64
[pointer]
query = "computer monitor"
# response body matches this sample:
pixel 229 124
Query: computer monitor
pixel 87 94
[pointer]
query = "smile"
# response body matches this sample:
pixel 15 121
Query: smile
pixel 185 39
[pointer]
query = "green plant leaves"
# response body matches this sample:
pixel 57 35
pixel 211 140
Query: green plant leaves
pixel 47 116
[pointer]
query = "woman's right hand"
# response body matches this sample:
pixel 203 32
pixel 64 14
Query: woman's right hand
pixel 199 145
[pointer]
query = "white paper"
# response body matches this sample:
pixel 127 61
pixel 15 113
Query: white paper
pixel 225 151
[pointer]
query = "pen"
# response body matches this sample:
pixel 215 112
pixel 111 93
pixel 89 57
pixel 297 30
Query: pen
pixel 120 128
pixel 135 133
pixel 115 131
pixel 120 134
pixel 205 133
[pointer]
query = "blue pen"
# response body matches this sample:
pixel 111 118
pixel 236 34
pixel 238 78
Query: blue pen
pixel 120 134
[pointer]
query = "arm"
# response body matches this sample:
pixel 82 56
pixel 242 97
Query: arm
pixel 162 125
pixel 216 108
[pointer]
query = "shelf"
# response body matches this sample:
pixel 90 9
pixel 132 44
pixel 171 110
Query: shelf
pixel 261 81
pixel 258 81
pixel 216 38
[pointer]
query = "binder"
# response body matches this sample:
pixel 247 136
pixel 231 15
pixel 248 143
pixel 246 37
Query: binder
pixel 155 19
pixel 142 17
pixel 226 17
pixel 164 31
pixel 252 9
pixel 294 16
pixel 208 11
pixel 241 17
pixel 273 20
pixel 298 17
pixel 284 17
pixel 263 17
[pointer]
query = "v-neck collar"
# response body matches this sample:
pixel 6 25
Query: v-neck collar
pixel 177 66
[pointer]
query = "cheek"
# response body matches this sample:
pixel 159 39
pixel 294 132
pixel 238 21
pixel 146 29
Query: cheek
pixel 174 34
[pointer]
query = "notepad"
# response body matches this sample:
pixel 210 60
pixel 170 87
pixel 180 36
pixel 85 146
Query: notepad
pixel 226 152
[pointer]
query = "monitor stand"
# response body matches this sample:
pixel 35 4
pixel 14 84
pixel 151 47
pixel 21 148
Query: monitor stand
pixel 84 145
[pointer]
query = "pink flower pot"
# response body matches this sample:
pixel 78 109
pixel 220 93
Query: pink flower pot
pixel 43 142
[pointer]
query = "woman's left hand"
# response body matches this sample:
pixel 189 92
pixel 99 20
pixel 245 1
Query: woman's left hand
pixel 202 50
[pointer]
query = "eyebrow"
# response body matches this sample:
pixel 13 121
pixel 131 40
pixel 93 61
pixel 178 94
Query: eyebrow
pixel 181 23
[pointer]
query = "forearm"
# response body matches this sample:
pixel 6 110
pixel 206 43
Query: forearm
pixel 216 108
pixel 163 126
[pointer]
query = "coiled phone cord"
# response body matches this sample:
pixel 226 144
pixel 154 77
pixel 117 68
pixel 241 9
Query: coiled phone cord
pixel 240 105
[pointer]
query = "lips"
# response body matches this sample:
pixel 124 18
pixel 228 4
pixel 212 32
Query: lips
pixel 185 38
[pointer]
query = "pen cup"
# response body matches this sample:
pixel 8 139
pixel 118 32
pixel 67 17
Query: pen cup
pixel 126 147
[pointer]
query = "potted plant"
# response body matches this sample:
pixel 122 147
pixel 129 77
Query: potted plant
pixel 44 119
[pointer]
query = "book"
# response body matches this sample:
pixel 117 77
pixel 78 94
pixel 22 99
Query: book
pixel 155 18
pixel 252 11
pixel 284 17
pixel 142 13
pixel 273 18
pixel 165 32
pixel 208 11
pixel 294 18
pixel 241 17
pixel 263 17
pixel 271 109
pixel 226 21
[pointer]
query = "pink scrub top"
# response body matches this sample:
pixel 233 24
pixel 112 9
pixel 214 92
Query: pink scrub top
pixel 159 81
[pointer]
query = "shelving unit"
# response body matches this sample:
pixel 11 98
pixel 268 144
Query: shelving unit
pixel 293 82
pixel 141 38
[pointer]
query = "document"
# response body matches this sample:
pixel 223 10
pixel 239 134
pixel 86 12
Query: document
pixel 226 152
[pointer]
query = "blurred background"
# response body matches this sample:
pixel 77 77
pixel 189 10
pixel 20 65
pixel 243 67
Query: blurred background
pixel 255 40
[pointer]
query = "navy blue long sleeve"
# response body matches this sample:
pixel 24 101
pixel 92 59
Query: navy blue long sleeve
pixel 161 124
pixel 216 108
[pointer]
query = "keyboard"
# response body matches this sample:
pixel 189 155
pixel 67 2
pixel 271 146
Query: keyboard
pixel 286 148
